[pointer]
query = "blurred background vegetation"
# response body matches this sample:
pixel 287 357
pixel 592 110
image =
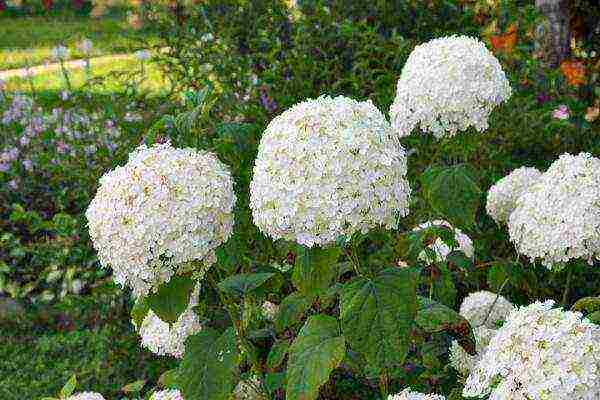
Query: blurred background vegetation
pixel 219 71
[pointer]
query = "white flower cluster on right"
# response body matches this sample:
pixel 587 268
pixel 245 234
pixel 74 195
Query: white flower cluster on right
pixel 165 208
pixel 502 196
pixel 407 394
pixel 558 218
pixel 440 248
pixel 169 394
pixel 86 396
pixel 447 85
pixel 540 353
pixel 163 338
pixel 327 168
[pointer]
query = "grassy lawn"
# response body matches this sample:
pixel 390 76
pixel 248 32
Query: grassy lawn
pixel 154 81
pixel 29 40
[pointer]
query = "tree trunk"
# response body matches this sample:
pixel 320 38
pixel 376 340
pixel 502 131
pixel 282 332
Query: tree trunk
pixel 553 34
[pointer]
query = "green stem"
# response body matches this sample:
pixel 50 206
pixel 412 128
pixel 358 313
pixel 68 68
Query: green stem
pixel 383 385
pixel 495 301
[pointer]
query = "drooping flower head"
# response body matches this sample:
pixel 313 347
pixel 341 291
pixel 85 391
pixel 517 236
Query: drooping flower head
pixel 407 394
pixel 447 85
pixel 326 168
pixel 485 308
pixel 162 338
pixel 440 248
pixel 558 218
pixel 464 362
pixel 502 197
pixel 540 353
pixel 170 394
pixel 86 396
pixel 165 208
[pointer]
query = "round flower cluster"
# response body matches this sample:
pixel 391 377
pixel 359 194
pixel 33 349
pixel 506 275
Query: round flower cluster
pixel 446 85
pixel 486 309
pixel 86 396
pixel 171 394
pixel 164 208
pixel 558 218
pixel 248 389
pixel 502 197
pixel 406 394
pixel 442 249
pixel 163 338
pixel 327 168
pixel 462 361
pixel 269 310
pixel 540 353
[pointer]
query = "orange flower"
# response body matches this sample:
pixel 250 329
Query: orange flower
pixel 574 71
pixel 592 113
pixel 505 42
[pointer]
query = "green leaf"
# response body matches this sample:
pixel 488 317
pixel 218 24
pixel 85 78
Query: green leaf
pixel 443 286
pixel 69 387
pixel 434 317
pixel 274 381
pixel 139 311
pixel 134 387
pixel 240 285
pixel 316 352
pixel 277 354
pixel 453 193
pixel 168 379
pixel 315 269
pixel 172 298
pixel 209 367
pixel 377 316
pixel 291 311
pixel 587 304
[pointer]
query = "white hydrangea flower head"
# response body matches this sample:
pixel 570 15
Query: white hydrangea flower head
pixel 86 396
pixel 165 208
pixel 558 218
pixel 477 305
pixel 249 389
pixel 440 248
pixel 169 394
pixel 502 196
pixel 269 310
pixel 447 85
pixel 407 394
pixel 327 168
pixel 162 338
pixel 464 362
pixel 540 353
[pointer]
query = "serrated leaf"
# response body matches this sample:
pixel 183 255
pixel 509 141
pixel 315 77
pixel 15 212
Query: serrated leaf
pixel 134 387
pixel 69 387
pixel 316 352
pixel 172 298
pixel 587 304
pixel 277 354
pixel 452 192
pixel 290 311
pixel 139 311
pixel 377 315
pixel 209 367
pixel 315 269
pixel 434 317
pixel 242 284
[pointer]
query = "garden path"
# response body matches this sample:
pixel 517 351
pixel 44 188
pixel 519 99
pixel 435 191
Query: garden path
pixel 50 67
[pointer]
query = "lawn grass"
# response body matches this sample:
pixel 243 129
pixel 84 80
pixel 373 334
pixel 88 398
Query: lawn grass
pixel 89 336
pixel 29 40
pixel 113 71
